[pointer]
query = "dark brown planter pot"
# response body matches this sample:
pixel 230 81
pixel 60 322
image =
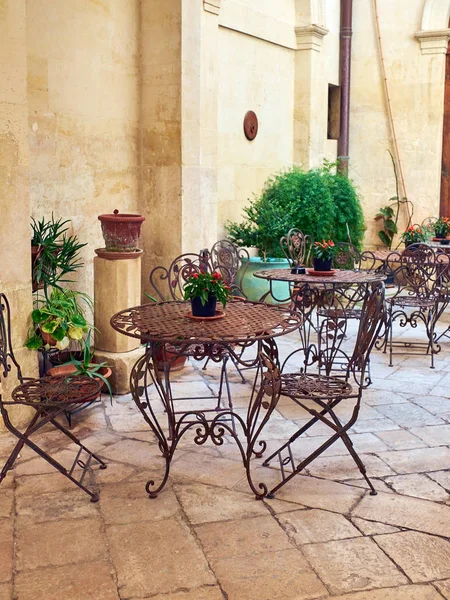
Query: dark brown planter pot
pixel 121 231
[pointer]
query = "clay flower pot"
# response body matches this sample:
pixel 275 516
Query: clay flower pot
pixel 121 231
pixel 67 370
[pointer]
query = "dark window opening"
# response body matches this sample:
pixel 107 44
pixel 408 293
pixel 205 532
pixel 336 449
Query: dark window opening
pixel 334 112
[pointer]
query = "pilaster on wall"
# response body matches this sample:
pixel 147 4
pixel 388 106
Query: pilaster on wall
pixel 15 261
pixel 179 128
pixel 310 107
pixel 433 42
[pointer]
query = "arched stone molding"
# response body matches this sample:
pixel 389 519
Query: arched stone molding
pixel 310 12
pixel 434 34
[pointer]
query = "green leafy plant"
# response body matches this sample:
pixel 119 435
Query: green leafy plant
pixel 319 202
pixel 324 250
pixel 86 367
pixel 201 285
pixel 413 235
pixel 441 226
pixel 389 230
pixel 57 255
pixel 61 316
pixel 390 213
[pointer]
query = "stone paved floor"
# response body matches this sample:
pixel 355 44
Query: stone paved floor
pixel 206 537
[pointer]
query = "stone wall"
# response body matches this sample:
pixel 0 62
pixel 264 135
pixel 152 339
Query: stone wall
pixel 84 112
pixel 15 263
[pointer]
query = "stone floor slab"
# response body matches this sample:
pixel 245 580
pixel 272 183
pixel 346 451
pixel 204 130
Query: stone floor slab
pixel 419 486
pixel 422 557
pixel 282 575
pixel 205 503
pixel 73 504
pixel 6 503
pixel 34 485
pixel 408 592
pixel 204 468
pixel 409 415
pixel 244 537
pixel 344 467
pixel 5 591
pixel 129 502
pixel 420 460
pixel 205 593
pixel 437 435
pixel 444 588
pixel 92 581
pixel 400 440
pixel 403 511
pixel 6 550
pixel 352 565
pixel 372 527
pixel 442 478
pixel 312 526
pixel 155 557
pixel 59 542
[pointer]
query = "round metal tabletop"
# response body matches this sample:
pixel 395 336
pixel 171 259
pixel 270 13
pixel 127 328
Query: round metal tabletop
pixel 168 322
pixel 340 276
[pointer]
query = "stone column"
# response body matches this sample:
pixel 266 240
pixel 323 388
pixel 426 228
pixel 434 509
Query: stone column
pixel 179 126
pixel 117 285
pixel 311 97
pixel 15 251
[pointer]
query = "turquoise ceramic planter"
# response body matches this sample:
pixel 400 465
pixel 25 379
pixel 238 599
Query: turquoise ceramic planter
pixel 254 287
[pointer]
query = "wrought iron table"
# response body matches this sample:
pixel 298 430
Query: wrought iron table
pixel 244 324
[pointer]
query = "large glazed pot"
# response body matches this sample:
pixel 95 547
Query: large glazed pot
pixel 121 231
pixel 254 287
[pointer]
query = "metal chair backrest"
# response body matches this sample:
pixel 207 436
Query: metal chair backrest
pixel 373 316
pixel 7 358
pixel 296 247
pixel 227 259
pixel 347 256
pixel 168 282
pixel 418 268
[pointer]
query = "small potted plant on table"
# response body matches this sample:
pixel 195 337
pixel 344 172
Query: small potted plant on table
pixel 441 227
pixel 323 255
pixel 204 289
pixel 413 235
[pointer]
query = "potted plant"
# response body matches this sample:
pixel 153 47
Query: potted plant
pixel 204 290
pixel 323 255
pixel 53 254
pixel 121 231
pixel 441 228
pixel 58 319
pixel 319 202
pixel 84 366
pixel 413 235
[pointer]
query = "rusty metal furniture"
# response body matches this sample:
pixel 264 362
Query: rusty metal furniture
pixel 245 324
pixel 231 262
pixel 421 295
pixel 168 284
pixel 296 247
pixel 50 397
pixel 319 390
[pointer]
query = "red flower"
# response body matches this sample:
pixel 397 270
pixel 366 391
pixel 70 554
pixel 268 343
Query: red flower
pixel 195 275
pixel 216 275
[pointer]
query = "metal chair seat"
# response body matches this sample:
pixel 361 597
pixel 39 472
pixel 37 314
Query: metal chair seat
pixel 351 313
pixel 411 302
pixel 56 392
pixel 311 386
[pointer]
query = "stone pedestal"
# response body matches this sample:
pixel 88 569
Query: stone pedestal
pixel 117 285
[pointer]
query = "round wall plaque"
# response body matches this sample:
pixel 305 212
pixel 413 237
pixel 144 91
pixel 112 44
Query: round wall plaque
pixel 250 125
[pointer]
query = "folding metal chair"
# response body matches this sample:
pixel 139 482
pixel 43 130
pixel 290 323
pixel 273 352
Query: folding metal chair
pixel 50 397
pixel 318 390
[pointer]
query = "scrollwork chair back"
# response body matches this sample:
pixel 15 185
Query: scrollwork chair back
pixel 296 247
pixel 227 259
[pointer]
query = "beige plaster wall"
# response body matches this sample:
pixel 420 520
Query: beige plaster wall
pixel 254 74
pixel 84 110
pixel 416 84
pixel 15 269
